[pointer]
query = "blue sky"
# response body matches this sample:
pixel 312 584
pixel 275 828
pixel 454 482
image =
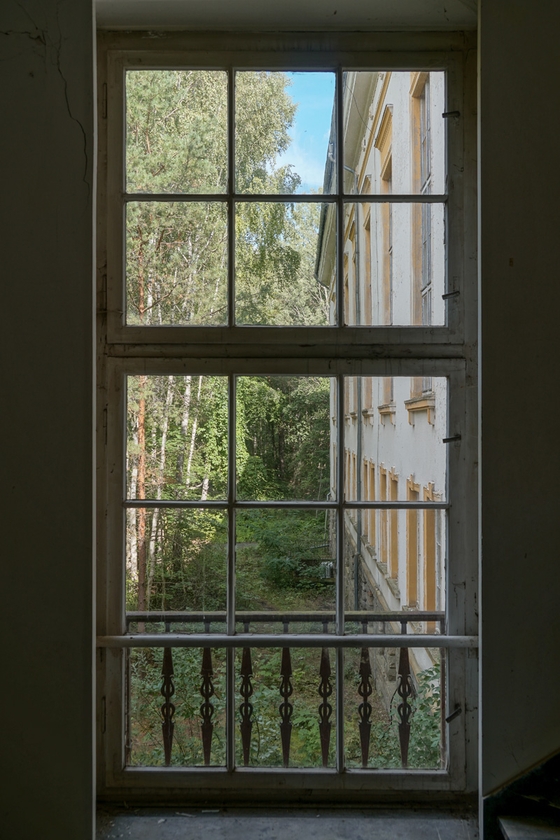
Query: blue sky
pixel 314 95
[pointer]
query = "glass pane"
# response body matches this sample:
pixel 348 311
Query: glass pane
pixel 177 437
pixel 176 263
pixel 191 674
pixel 394 560
pixel 376 682
pixel 283 445
pixel 394 139
pixel 308 739
pixel 394 264
pixel 394 438
pixel 176 131
pixel 285 571
pixel 276 252
pixel 284 132
pixel 176 560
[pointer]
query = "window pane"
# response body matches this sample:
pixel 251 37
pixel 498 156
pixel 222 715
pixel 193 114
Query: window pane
pixel 283 437
pixel 176 131
pixel 308 739
pixel 394 264
pixel 285 563
pixel 394 561
pixel 176 560
pixel 177 437
pixel 284 132
pixel 394 139
pixel 176 263
pixel 145 732
pixel 375 734
pixel 394 438
pixel 276 254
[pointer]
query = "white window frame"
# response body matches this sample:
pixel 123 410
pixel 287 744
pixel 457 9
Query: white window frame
pixel 415 351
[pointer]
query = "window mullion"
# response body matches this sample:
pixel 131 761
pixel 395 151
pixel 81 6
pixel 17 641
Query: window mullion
pixel 230 595
pixel 231 509
pixel 339 258
pixel 232 382
pixel 339 411
pixel 231 203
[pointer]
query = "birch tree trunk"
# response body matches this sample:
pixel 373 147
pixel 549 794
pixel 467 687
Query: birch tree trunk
pixel 160 482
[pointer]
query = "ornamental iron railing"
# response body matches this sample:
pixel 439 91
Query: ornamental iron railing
pixel 175 626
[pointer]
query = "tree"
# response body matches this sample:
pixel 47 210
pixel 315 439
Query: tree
pixel 177 252
pixel 176 268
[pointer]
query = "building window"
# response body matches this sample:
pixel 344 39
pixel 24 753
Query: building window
pixel 250 317
pixel 413 494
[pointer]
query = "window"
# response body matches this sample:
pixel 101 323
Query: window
pixel 275 594
pixel 412 546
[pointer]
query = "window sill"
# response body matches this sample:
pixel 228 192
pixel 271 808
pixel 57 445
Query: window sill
pixel 387 410
pixel 425 402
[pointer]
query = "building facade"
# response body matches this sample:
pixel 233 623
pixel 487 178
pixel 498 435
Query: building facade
pixel 394 274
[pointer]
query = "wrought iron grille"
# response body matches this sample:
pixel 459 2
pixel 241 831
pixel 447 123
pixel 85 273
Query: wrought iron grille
pixel 175 630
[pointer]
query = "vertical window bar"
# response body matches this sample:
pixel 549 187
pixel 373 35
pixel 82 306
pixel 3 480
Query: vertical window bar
pixel 123 205
pixel 340 305
pixel 448 243
pixel 230 199
pixel 230 653
pixel 339 153
pixel 122 161
pixel 340 572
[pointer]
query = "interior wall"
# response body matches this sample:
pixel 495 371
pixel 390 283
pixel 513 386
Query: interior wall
pixel 520 177
pixel 46 156
pixel 46 161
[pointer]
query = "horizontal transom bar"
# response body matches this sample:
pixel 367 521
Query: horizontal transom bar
pixel 291 505
pixel 286 640
pixel 380 198
pixel 279 616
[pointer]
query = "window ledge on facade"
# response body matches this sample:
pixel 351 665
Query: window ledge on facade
pixel 382 567
pixel 387 410
pixel 424 402
pixel 393 585
pixel 368 414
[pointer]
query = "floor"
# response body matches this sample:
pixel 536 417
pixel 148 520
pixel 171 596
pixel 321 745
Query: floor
pixel 523 828
pixel 310 824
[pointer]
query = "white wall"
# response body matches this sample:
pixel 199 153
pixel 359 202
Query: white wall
pixel 520 178
pixel 46 159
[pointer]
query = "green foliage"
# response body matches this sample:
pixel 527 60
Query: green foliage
pixel 176 254
pixel 425 728
pixel 286 425
pixel 266 747
pixel 144 718
pixel 279 558
pixel 425 738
